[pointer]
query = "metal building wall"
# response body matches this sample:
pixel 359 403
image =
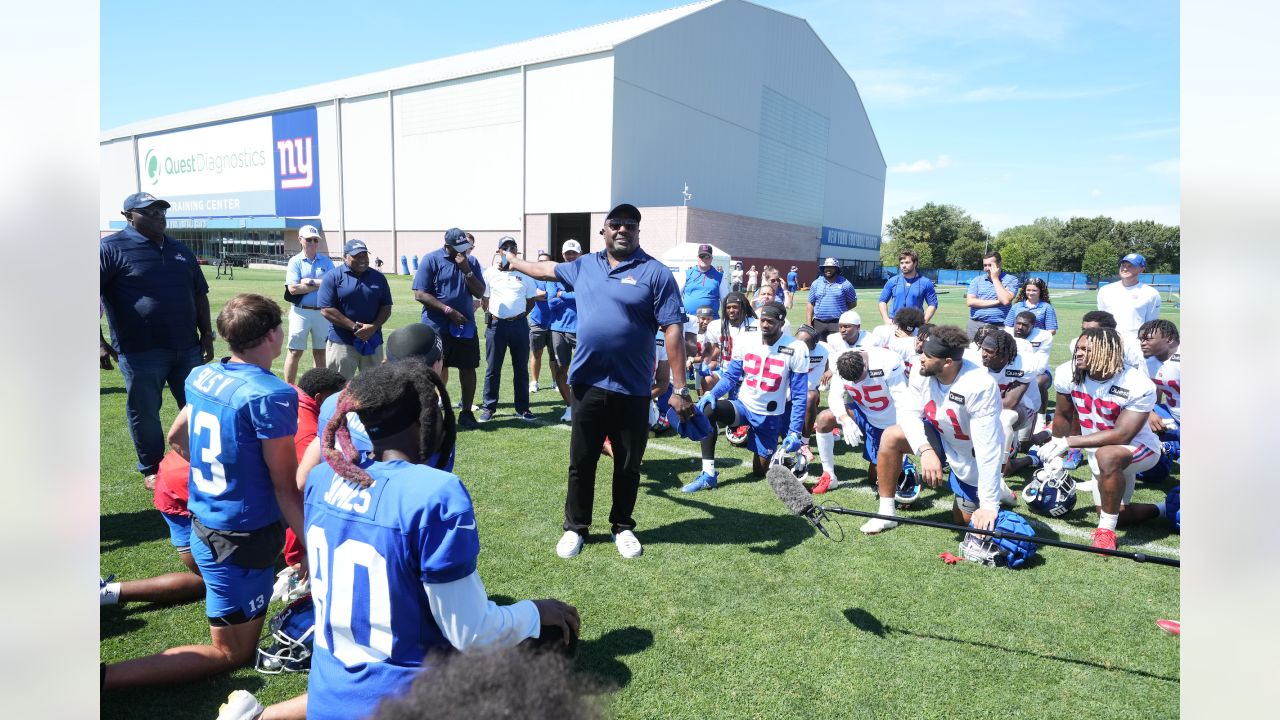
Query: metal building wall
pixel 569 115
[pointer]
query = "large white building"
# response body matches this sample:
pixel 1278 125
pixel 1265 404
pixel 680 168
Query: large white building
pixel 537 139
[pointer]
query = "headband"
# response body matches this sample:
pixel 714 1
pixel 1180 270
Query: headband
pixel 933 347
pixel 990 343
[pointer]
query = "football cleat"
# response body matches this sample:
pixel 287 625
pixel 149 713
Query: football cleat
pixel 292 630
pixel 1173 627
pixel 240 705
pixel 1104 539
pixel 705 481
pixel 1051 491
pixel 828 482
pixel 1073 459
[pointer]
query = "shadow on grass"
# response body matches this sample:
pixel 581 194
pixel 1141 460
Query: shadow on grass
pixel 111 391
pixel 121 530
pixel 201 698
pixel 867 622
pixel 765 533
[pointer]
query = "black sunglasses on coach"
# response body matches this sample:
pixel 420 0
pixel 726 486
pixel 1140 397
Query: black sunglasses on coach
pixel 151 211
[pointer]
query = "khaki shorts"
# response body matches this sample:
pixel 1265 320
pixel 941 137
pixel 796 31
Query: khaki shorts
pixel 347 360
pixel 304 322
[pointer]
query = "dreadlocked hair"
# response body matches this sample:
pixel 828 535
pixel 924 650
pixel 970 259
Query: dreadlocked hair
pixel 1163 328
pixel 372 394
pixel 1104 358
pixel 850 365
pixel 1006 347
pixel 908 319
pixel 983 331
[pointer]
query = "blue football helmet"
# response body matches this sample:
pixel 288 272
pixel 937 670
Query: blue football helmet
pixel 292 630
pixel 1051 491
pixel 908 490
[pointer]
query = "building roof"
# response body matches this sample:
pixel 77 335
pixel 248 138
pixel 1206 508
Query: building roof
pixel 571 43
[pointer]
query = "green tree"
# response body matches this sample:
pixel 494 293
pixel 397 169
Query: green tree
pixel 965 254
pixel 1101 258
pixel 1024 248
pixel 1159 244
pixel 930 230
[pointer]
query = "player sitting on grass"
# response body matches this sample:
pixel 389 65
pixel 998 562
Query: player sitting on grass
pixel 773 367
pixel 817 368
pixel 1037 343
pixel 1161 348
pixel 1012 372
pixel 1103 319
pixel 237 431
pixel 956 412
pixel 1111 402
pixel 737 318
pixel 864 402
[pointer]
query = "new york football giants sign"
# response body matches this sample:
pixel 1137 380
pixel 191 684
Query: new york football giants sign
pixel 297 163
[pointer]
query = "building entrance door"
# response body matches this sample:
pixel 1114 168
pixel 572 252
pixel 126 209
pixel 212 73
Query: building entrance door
pixel 566 226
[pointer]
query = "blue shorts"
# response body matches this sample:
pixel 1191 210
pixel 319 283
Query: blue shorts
pixel 870 434
pixel 762 430
pixel 231 590
pixel 966 495
pixel 179 531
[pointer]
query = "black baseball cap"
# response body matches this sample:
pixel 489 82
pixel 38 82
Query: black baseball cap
pixel 416 340
pixel 624 211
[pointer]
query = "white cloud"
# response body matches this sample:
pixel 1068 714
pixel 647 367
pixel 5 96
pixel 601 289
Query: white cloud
pixel 1096 193
pixel 898 85
pixel 999 93
pixel 920 166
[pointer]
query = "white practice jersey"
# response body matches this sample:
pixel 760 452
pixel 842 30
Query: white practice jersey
pixel 880 393
pixel 767 371
pixel 966 415
pixel 1023 371
pixel 836 345
pixel 1167 377
pixel 717 327
pixel 1099 403
pixel 1132 351
pixel 1039 342
pixel 817 365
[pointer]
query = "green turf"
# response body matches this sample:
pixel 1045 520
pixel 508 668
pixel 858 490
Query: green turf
pixel 736 609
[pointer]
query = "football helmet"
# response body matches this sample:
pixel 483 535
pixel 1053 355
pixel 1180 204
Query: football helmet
pixel 1051 491
pixel 737 436
pixel 1173 508
pixel 1001 552
pixel 292 630
pixel 793 462
pixel 908 487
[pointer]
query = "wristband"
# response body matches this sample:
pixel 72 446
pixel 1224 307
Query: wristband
pixel 447 310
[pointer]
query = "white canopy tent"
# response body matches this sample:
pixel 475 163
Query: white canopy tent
pixel 685 255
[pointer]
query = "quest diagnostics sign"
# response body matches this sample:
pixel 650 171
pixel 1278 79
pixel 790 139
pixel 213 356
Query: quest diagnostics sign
pixel 262 166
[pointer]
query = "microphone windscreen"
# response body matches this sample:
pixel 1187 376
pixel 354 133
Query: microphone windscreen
pixel 789 490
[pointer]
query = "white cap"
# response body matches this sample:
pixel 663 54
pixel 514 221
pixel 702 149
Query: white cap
pixel 308 231
pixel 573 245
pixel 850 317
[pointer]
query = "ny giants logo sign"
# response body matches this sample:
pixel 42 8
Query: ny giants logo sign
pixel 297 163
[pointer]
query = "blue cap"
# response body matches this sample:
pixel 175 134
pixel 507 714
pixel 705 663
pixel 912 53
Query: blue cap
pixel 141 200
pixel 456 239
pixel 354 247
pixel 1134 259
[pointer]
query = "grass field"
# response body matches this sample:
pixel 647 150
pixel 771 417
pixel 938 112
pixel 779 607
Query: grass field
pixel 736 609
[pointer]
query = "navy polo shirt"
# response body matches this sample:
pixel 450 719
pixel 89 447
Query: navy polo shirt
pixel 358 297
pixel 439 276
pixel 623 307
pixel 149 292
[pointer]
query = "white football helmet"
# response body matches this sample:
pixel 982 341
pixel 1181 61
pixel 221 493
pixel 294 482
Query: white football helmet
pixel 793 462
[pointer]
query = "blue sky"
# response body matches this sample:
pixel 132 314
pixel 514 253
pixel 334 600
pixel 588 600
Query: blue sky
pixel 1011 109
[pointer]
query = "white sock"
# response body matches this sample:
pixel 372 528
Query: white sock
pixel 827 451
pixel 1160 508
pixel 887 507
pixel 1107 521
pixel 110 594
pixel 709 466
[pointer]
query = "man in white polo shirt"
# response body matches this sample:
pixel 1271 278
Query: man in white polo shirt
pixel 1131 301
pixel 302 280
pixel 508 298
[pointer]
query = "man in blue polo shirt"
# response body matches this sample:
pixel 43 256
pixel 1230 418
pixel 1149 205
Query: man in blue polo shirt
pixel 908 289
pixel 356 300
pixel 631 296
pixel 157 304
pixel 564 327
pixel 540 329
pixel 302 279
pixel 990 294
pixel 829 296
pixel 446 282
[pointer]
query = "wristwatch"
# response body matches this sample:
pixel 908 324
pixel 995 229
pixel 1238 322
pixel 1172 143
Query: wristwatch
pixel 683 392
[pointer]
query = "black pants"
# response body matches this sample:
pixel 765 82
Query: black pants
pixel 499 336
pixel 624 419
pixel 825 327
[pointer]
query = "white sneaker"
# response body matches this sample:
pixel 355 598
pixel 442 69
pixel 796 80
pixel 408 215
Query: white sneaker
pixel 628 544
pixel 567 416
pixel 533 386
pixel 875 526
pixel 240 705
pixel 570 544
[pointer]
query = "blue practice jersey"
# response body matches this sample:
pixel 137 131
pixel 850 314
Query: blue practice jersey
pixel 369 551
pixel 234 407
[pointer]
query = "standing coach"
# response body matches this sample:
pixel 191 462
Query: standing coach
pixel 445 284
pixel 157 301
pixel 628 296
pixel 829 297
pixel 356 300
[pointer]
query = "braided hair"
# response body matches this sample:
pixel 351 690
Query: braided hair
pixel 1163 328
pixel 1006 348
pixel 387 393
pixel 1105 357
pixel 748 314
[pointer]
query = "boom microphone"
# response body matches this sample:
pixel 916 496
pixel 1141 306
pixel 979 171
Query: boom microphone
pixel 795 497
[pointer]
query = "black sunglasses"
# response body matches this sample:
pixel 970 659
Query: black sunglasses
pixel 619 224
pixel 151 211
